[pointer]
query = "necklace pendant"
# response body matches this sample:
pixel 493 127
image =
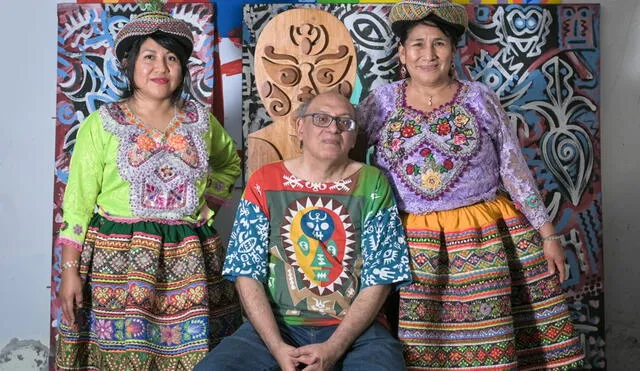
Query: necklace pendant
pixel 430 100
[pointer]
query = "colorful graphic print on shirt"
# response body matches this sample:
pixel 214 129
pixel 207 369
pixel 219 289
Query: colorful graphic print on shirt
pixel 317 238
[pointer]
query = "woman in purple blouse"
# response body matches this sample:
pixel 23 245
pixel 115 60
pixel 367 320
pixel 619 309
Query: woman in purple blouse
pixel 486 261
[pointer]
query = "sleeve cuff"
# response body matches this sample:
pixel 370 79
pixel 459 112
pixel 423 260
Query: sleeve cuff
pixel 69 242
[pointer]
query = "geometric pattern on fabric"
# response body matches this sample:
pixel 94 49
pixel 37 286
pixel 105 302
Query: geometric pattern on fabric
pixel 471 356
pixel 482 296
pixel 147 302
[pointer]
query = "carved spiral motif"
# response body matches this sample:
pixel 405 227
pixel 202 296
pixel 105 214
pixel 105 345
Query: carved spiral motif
pixel 279 104
pixel 289 76
pixel 326 76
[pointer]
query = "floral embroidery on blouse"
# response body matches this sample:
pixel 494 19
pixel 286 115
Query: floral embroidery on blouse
pixel 430 151
pixel 161 167
pixel 430 171
pixel 454 125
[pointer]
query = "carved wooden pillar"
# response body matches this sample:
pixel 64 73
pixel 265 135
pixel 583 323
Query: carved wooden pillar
pixel 299 54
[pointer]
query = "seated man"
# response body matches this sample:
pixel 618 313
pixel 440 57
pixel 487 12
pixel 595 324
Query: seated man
pixel 315 249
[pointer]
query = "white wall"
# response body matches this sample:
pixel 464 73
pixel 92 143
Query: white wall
pixel 620 146
pixel 27 103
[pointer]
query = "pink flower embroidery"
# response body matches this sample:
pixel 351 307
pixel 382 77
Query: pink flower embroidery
pixel 395 144
pixel 103 329
pixel 171 335
pixel 459 139
pixel 485 309
pixel 77 229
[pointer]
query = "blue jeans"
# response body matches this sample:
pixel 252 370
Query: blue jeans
pixel 375 349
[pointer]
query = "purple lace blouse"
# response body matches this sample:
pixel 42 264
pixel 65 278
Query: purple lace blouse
pixel 459 154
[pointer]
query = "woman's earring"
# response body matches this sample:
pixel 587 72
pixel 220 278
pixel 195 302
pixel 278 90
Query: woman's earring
pixel 452 71
pixel 403 72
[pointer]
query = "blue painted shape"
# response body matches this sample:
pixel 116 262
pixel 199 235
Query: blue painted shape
pixel 232 11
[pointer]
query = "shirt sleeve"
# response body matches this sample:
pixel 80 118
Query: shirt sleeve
pixel 224 164
pixel 514 172
pixel 247 254
pixel 85 182
pixel 385 253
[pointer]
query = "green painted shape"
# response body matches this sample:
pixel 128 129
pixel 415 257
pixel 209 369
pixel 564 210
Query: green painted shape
pixel 321 275
pixel 320 260
pixel 332 248
pixel 303 244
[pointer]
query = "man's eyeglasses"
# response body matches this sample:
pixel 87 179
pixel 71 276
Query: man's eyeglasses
pixel 323 120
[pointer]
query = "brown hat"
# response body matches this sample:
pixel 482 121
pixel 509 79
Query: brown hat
pixel 149 23
pixel 414 10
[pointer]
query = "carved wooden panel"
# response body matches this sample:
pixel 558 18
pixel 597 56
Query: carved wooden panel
pixel 299 54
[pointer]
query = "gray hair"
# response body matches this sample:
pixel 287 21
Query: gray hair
pixel 304 106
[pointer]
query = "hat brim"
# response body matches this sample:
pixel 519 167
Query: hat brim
pixel 400 27
pixel 406 13
pixel 150 23
pixel 125 44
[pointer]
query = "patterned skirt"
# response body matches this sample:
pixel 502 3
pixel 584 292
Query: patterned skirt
pixel 154 298
pixel 482 296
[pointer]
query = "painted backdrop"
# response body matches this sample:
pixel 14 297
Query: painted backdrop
pixel 542 60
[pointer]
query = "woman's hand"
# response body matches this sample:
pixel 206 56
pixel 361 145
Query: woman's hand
pixel 70 294
pixel 555 257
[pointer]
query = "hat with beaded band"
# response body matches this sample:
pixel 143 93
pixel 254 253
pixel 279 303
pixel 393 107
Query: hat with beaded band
pixel 149 23
pixel 408 11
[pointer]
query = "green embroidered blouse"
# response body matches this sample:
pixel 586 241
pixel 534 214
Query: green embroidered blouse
pixel 127 172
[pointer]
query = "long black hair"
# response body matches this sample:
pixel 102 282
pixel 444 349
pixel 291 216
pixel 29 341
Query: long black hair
pixel 171 45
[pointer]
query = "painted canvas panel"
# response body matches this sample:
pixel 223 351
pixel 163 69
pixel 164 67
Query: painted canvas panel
pixel 544 63
pixel 88 76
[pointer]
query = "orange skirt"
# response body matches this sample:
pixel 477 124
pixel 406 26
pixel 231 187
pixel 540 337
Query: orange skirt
pixel 482 296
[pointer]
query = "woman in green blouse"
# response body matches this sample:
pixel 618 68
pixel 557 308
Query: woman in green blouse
pixel 141 286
